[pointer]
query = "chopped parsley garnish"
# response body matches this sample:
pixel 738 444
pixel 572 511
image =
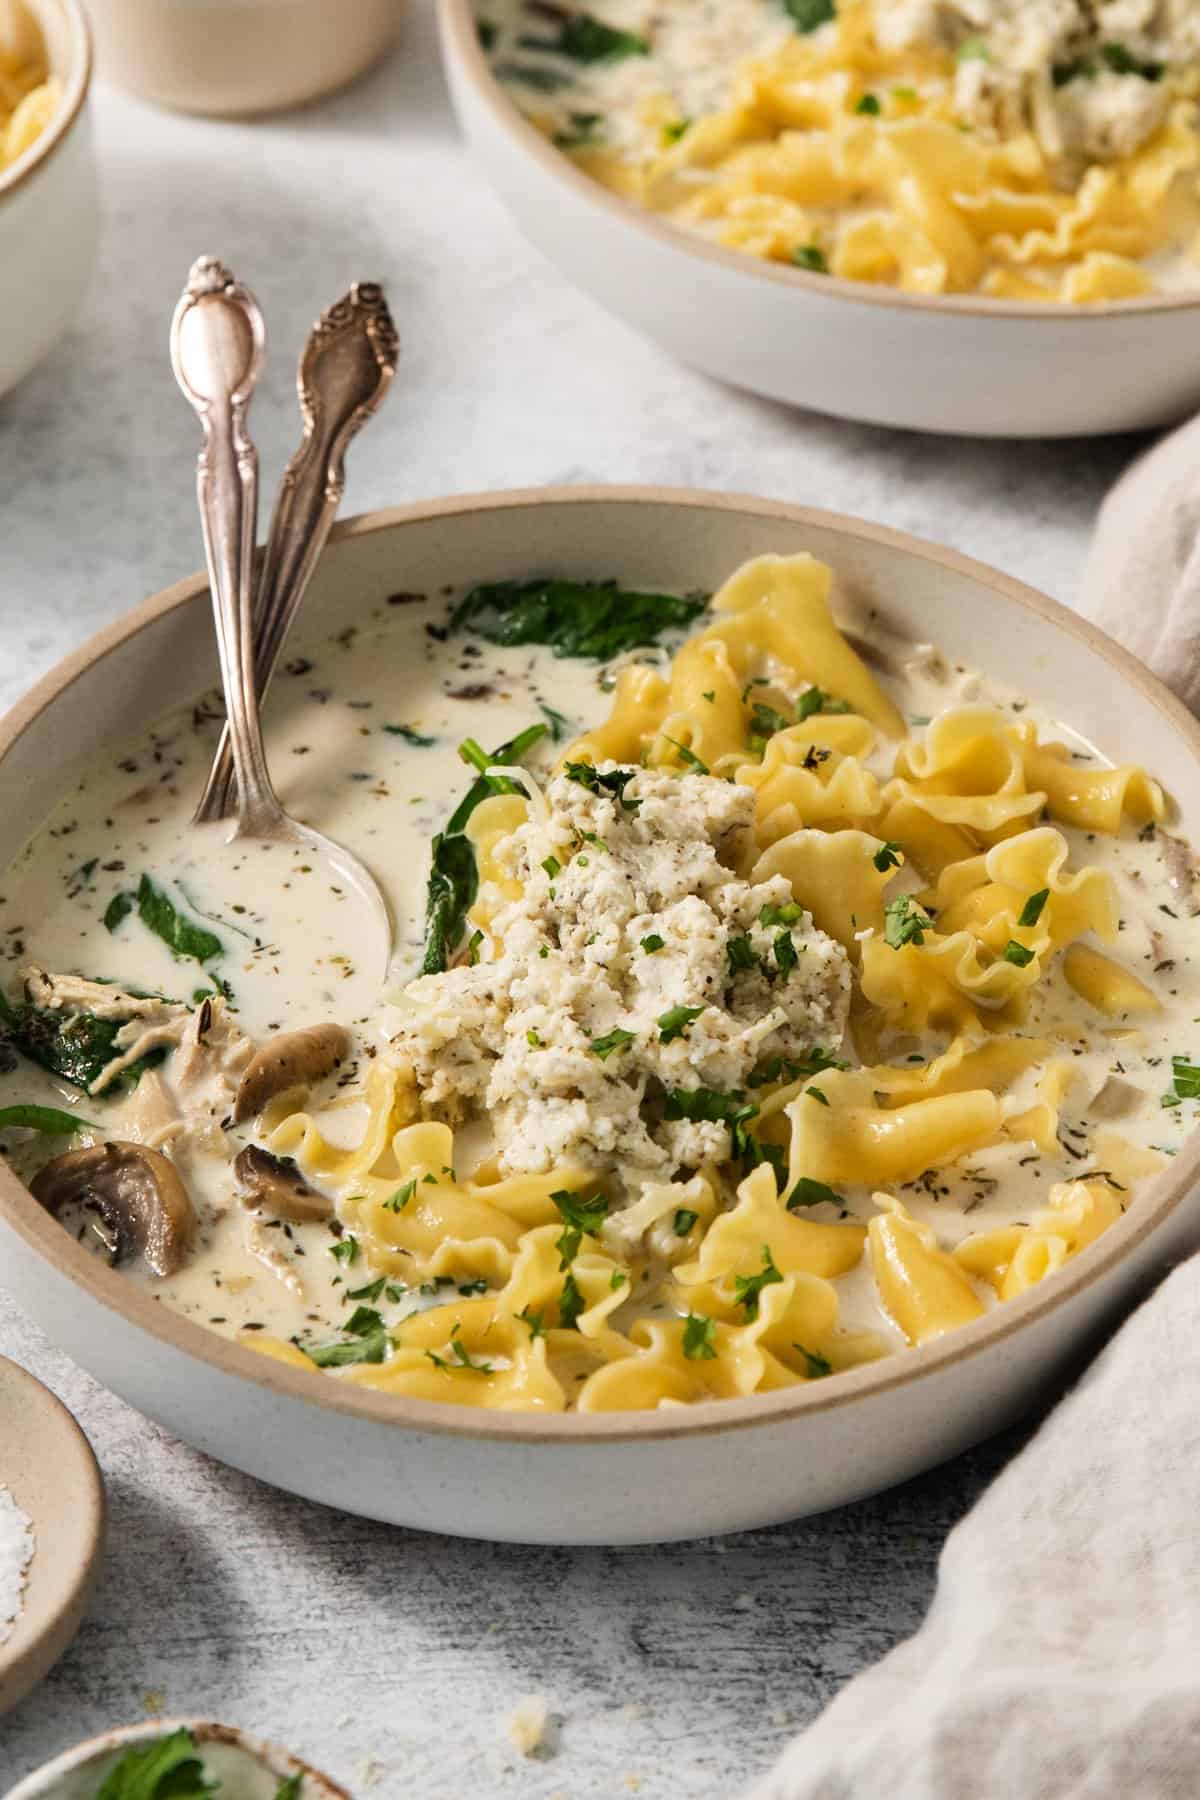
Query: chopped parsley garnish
pixel 570 1303
pixel 603 1047
pixel 1018 954
pixel 617 1279
pixel 765 721
pixel 410 736
pixel 808 1192
pixel 1031 912
pixel 614 782
pixel 808 15
pixel 399 1200
pixel 674 1023
pixel 904 923
pixel 781 1068
pixel 699 1338
pixel 683 1221
pixel 811 257
pixel 786 954
pixel 888 856
pixel 532 1039
pixel 689 757
pixel 347 1250
pixel 747 1288
pixel 580 1217
pixel 167 1769
pixel 366 1342
pixel 473 943
pixel 536 1321
pixel 741 954
pixel 371 1291
pixel 653 943
pixel 815 1093
pixel 708 1106
pixel 791 914
pixel 869 104
pixel 672 131
pixel 459 1358
pixel 552 866
pixel 1185 1084
pixel 582 132
pixel 585 39
pixel 814 1365
pixel 575 618
pixel 816 700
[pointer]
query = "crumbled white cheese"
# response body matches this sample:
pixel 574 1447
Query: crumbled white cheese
pixel 16 1554
pixel 525 1726
pixel 516 1037
pixel 1046 65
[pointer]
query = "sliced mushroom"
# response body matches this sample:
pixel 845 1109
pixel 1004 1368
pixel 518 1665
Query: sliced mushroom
pixel 137 1193
pixel 1180 862
pixel 276 1184
pixel 293 1059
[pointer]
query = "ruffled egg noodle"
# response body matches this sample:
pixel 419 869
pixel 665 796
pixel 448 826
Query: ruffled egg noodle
pixel 787 998
pixel 1027 150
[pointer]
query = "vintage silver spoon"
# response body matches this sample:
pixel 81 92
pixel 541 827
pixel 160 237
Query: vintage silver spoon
pixel 345 371
pixel 217 346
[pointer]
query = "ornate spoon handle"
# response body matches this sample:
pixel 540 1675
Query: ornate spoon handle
pixel 344 373
pixel 217 344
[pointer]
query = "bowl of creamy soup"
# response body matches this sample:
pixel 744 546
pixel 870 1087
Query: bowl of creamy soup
pixel 789 1032
pixel 954 215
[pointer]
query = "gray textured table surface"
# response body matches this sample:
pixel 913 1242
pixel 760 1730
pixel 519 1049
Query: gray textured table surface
pixel 388 1657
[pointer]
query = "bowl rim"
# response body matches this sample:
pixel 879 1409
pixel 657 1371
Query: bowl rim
pixel 41 1782
pixel 1161 1197
pixel 458 25
pixel 75 92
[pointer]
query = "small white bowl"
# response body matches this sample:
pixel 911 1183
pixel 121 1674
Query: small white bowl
pixel 685 1471
pixel 78 1773
pixel 49 220
pixel 946 363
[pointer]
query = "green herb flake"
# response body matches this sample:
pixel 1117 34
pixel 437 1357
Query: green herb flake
pixel 791 914
pixel 117 910
pixel 617 1279
pixel 570 1304
pixel 699 1338
pixel 904 923
pixel 672 131
pixel 582 132
pixel 410 736
pixel 652 944
pixel 168 1769
pixel 814 1365
pixel 580 1218
pixel 683 1221
pixel 603 1047
pixel 399 1200
pixel 786 954
pixel 49 1120
pixel 688 757
pixel 888 856
pixel 532 1039
pixel 808 1192
pixel 613 782
pixel 815 700
pixel 587 40
pixel 536 1321
pixel 459 1358
pixel 810 15
pixel 675 1021
pixel 473 944
pixel 812 258
pixel 1031 912
pixel 869 104
pixel 740 954
pixel 1017 954
pixel 157 911
pixel 815 1093
pixel 747 1288
pixel 347 1250
pixel 1185 1084
pixel 371 1291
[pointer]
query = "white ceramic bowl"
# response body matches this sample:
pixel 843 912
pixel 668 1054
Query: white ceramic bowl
pixel 78 1773
pixel 950 364
pixel 49 224
pixel 608 1478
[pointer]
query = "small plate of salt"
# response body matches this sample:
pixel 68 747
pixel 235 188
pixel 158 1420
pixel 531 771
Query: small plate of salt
pixel 51 1530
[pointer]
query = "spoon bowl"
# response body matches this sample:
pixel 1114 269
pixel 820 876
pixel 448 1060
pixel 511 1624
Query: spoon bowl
pixel 218 341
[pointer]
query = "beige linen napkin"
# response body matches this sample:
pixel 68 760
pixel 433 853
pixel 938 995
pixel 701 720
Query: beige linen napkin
pixel 1061 1657
pixel 1141 582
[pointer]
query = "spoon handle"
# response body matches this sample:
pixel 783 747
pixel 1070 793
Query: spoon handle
pixel 345 371
pixel 217 344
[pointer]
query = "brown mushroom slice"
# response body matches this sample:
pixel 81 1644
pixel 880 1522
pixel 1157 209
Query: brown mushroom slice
pixel 293 1059
pixel 276 1184
pixel 137 1193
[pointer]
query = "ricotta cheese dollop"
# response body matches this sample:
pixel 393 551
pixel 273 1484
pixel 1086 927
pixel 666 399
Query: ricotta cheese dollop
pixel 638 961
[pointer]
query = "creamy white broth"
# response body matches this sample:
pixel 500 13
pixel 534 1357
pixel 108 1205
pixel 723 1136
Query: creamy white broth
pixel 290 939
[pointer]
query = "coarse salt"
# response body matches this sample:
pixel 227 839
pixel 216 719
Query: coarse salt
pixel 16 1554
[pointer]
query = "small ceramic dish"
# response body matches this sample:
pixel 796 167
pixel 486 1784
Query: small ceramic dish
pixel 247 1767
pixel 49 222
pixel 47 1465
pixel 951 363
